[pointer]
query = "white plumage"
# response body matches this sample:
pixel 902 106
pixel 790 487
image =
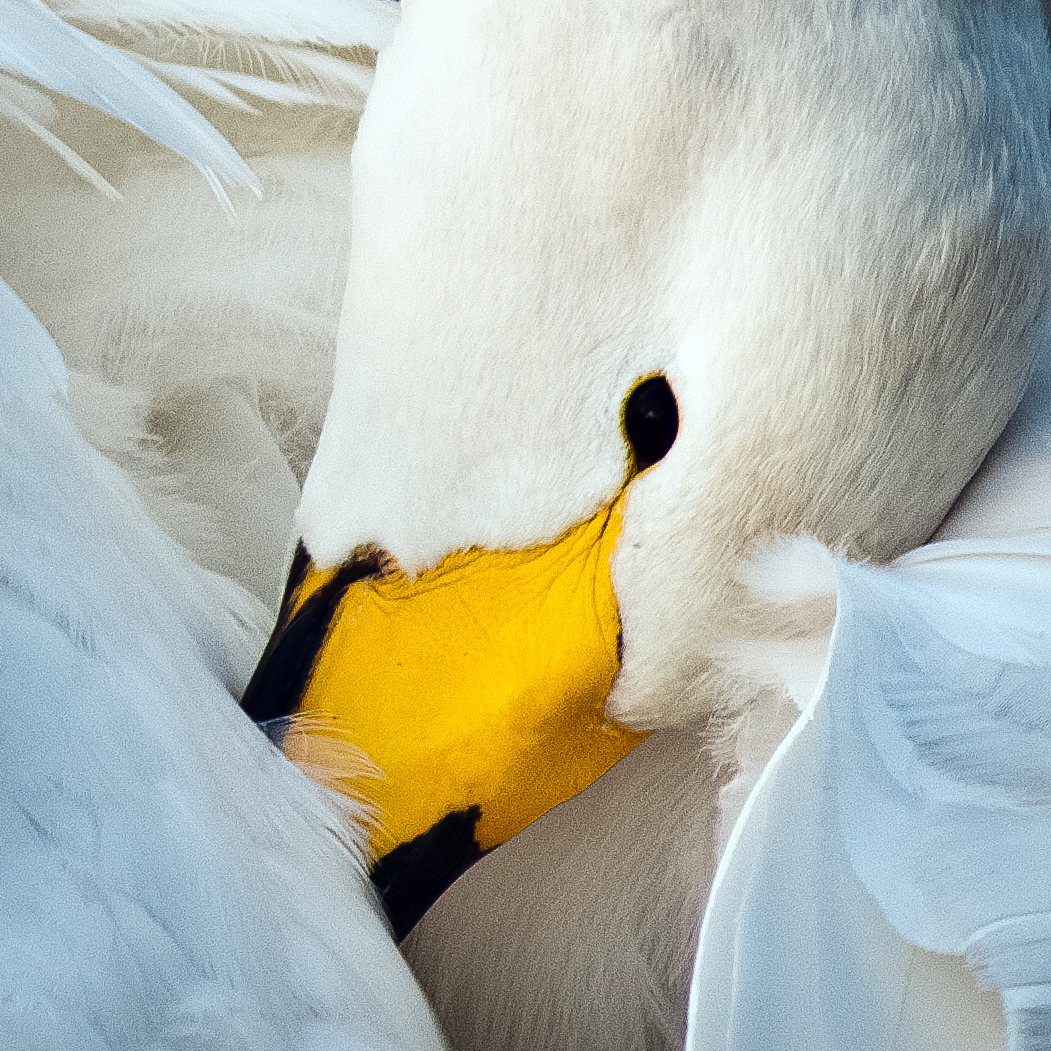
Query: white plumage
pixel 825 222
pixel 170 880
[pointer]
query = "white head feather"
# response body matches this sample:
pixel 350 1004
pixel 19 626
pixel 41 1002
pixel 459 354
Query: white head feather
pixel 827 225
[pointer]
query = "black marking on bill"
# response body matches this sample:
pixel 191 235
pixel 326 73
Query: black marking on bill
pixel 414 875
pixel 276 688
pixel 297 573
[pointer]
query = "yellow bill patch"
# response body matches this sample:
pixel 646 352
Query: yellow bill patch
pixel 480 682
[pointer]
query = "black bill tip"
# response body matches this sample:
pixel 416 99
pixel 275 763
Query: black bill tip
pixel 414 875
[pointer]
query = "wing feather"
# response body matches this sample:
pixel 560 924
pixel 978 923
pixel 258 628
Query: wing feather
pixel 169 879
pixel 39 45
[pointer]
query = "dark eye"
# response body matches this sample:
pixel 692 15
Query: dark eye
pixel 651 421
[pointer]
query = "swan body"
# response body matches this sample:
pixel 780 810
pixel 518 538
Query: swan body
pixel 824 223
pixel 170 879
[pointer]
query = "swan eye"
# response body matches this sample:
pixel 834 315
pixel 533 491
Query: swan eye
pixel 651 421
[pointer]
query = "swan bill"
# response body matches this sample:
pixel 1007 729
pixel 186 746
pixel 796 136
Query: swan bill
pixel 477 687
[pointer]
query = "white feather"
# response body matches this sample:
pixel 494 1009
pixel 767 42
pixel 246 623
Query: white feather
pixel 323 80
pixel 220 333
pixel 335 22
pixel 39 45
pixel 170 880
pixel 77 163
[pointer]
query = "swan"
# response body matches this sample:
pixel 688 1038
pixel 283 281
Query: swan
pixel 818 250
pixel 842 289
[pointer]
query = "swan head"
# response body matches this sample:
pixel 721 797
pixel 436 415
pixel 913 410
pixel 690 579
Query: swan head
pixel 825 227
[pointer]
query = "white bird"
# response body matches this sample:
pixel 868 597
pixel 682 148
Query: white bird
pixel 811 219
pixel 824 225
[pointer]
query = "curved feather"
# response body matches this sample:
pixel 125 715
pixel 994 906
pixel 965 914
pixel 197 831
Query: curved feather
pixel 307 78
pixel 39 45
pixel 907 810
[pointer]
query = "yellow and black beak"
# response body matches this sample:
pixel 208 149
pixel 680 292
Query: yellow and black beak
pixel 477 688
